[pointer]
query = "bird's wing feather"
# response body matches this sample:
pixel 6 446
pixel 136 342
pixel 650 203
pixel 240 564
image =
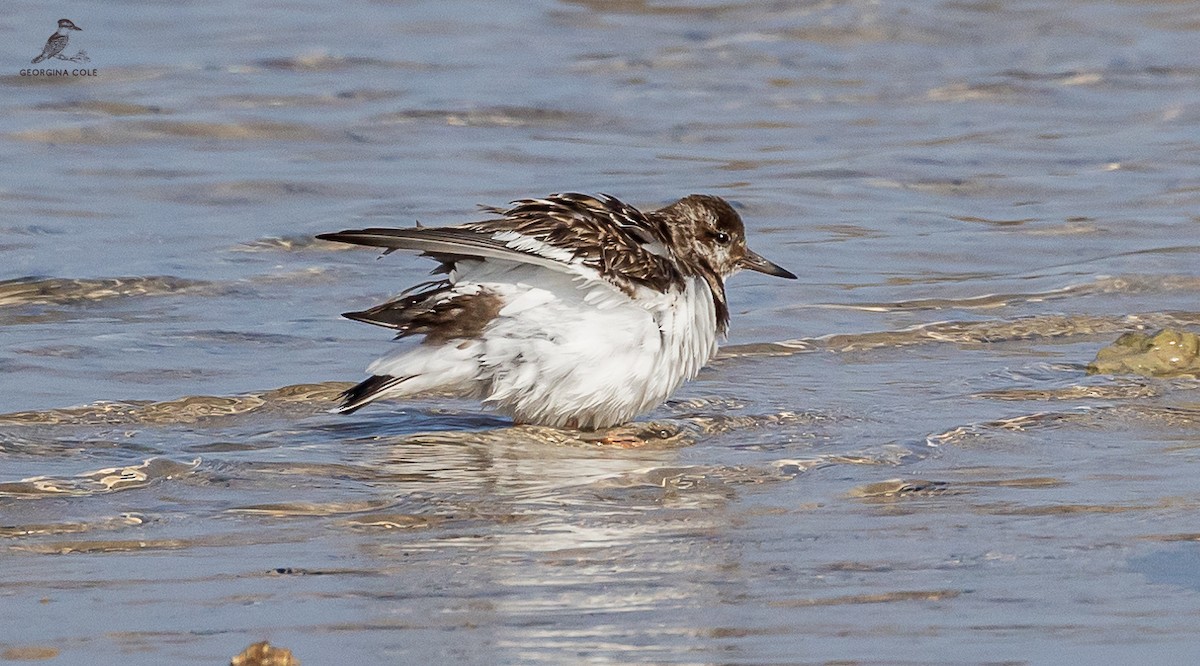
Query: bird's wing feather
pixel 626 247
pixel 450 242
pixel 594 238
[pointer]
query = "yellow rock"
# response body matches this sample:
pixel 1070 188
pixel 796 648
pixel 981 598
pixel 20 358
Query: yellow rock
pixel 1167 353
pixel 265 654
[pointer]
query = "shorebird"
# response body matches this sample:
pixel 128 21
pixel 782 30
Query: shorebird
pixel 58 41
pixel 570 311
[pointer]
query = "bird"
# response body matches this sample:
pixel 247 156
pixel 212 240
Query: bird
pixel 570 311
pixel 57 41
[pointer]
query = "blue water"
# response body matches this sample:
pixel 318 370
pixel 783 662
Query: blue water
pixel 976 197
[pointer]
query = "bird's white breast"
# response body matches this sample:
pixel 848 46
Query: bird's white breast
pixel 571 351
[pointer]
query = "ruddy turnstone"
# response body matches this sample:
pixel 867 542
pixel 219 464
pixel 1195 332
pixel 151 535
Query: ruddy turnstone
pixel 569 311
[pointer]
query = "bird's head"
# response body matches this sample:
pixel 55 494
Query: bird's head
pixel 710 233
pixel 66 24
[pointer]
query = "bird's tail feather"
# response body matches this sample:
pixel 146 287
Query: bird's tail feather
pixel 38 59
pixel 367 391
pixel 450 367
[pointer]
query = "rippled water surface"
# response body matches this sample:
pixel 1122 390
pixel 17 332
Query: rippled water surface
pixel 899 458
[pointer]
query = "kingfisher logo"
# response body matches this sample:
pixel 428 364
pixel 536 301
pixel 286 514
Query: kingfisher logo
pixel 53 50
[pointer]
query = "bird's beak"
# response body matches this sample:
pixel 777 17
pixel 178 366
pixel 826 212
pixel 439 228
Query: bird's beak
pixel 756 262
pixel 75 27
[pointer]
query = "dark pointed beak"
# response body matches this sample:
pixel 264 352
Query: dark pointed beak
pixel 756 262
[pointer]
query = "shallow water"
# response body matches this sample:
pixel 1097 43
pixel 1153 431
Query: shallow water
pixel 897 459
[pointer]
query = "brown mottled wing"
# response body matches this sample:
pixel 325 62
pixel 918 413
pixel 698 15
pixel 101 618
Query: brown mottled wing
pixel 436 312
pixel 624 245
pixel 445 244
pixel 399 312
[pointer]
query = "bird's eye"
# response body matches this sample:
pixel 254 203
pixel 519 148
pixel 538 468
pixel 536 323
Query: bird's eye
pixel 722 238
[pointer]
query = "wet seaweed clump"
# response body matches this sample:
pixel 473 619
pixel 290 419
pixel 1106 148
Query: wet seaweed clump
pixel 1166 353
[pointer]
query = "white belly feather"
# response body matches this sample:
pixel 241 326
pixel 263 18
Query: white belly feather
pixel 570 351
